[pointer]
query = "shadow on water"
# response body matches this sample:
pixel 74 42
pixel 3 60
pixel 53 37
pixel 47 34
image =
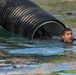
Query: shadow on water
pixel 35 57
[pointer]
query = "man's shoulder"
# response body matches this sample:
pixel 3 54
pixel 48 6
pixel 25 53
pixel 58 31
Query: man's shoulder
pixel 74 39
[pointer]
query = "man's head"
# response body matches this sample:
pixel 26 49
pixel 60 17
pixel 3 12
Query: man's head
pixel 67 35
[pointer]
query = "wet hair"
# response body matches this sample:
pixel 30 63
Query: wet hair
pixel 66 29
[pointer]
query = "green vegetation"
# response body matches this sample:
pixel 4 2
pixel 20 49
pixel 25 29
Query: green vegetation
pixel 58 7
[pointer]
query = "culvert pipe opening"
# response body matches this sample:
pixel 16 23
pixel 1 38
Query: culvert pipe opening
pixel 47 30
pixel 25 18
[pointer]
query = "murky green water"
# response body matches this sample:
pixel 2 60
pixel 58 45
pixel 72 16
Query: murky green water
pixel 21 56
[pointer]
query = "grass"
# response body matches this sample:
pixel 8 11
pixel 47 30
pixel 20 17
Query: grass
pixel 57 4
pixel 58 7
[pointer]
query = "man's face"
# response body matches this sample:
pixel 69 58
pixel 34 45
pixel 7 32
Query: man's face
pixel 67 37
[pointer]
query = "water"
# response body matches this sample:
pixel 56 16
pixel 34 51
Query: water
pixel 22 56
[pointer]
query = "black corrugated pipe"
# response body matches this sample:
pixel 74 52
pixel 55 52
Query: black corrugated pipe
pixel 26 18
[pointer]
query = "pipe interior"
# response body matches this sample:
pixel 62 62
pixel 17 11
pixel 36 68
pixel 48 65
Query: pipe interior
pixel 47 30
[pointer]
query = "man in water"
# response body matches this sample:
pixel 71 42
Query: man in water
pixel 67 35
